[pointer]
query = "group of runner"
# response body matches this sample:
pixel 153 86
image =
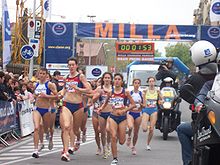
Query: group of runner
pixel 115 112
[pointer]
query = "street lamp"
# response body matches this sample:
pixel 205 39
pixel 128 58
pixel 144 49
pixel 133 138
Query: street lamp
pixel 107 50
pixel 91 18
pixel 90 42
pixel 61 16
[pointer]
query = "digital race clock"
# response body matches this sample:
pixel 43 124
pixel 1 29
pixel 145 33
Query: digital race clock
pixel 135 47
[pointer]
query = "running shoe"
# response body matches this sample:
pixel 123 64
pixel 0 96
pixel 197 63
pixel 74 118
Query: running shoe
pixel 50 144
pixel 114 162
pixel 128 141
pixel 35 155
pixel 83 138
pixel 65 157
pixel 71 150
pixel 47 136
pixel 127 130
pixel 133 150
pixel 99 151
pixel 41 147
pixel 77 145
pixel 109 149
pixel 148 148
pixel 105 154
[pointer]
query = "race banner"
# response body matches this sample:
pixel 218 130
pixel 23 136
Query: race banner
pixel 215 11
pixel 47 8
pixel 7 116
pixel 6 35
pixel 211 34
pixel 58 42
pixel 26 119
pixel 137 31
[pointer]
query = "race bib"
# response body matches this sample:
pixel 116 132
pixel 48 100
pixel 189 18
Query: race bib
pixel 117 103
pixel 69 84
pixel 151 103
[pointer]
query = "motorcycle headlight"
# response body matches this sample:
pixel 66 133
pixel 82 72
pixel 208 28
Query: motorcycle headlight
pixel 211 116
pixel 167 105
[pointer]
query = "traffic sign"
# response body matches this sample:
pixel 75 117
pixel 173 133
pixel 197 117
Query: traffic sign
pixel 34 28
pixel 27 52
pixel 34 43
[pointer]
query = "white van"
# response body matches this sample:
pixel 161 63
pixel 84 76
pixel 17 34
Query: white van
pixel 142 72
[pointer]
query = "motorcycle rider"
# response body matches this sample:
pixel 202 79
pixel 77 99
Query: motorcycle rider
pixel 166 70
pixel 203 54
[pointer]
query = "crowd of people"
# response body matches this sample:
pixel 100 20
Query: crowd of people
pixel 116 111
pixel 117 114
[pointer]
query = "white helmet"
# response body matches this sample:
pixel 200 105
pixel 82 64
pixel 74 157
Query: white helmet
pixel 203 52
pixel 168 80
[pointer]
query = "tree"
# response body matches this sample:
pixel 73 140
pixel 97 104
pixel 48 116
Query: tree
pixel 157 53
pixel 180 50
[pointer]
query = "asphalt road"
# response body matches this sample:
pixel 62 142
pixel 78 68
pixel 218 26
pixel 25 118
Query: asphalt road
pixel 163 152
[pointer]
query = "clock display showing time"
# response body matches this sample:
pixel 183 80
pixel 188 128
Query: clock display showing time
pixel 135 47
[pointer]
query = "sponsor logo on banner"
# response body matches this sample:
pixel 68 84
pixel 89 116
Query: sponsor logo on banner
pixel 216 8
pixel 96 72
pixel 214 32
pixel 6 35
pixel 7 116
pixel 56 66
pixel 59 29
pixel 215 11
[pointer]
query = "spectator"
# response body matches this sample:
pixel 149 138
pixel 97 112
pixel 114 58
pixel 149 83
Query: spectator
pixel 35 76
pixel 55 80
pixel 3 93
pixel 8 87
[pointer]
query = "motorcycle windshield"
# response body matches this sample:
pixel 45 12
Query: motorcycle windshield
pixel 216 88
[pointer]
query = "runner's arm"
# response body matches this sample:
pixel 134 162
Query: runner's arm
pixel 132 103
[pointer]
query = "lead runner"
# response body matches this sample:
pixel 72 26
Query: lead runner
pixel 71 115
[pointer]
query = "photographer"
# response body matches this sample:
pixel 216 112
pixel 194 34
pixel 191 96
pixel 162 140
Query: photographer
pixel 165 70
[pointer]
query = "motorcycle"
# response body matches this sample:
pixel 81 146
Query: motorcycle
pixel 168 109
pixel 206 126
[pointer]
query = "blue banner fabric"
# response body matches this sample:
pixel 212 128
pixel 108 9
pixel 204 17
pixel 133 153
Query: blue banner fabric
pixel 211 34
pixel 58 42
pixel 138 31
pixel 7 116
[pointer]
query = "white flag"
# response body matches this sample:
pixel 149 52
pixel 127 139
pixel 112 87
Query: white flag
pixel 47 8
pixel 215 11
pixel 6 34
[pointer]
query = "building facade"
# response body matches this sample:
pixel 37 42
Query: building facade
pixel 202 14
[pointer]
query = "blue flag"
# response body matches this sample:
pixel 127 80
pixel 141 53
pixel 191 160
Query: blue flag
pixel 6 35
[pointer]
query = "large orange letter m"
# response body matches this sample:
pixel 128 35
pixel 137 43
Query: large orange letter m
pixel 102 32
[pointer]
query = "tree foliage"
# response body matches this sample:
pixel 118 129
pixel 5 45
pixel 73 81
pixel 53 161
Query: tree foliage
pixel 180 50
pixel 157 53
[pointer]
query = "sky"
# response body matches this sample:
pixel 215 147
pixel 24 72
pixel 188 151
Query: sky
pixel 177 12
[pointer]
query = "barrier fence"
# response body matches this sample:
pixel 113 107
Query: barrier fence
pixel 15 120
